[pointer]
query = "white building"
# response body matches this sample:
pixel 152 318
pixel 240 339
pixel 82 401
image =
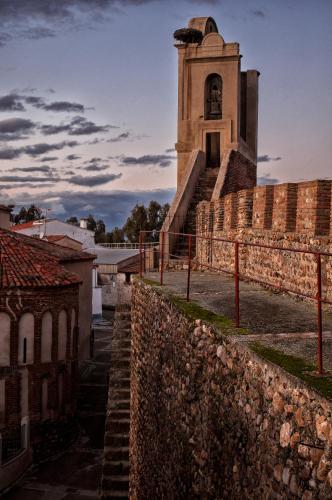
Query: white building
pixel 45 227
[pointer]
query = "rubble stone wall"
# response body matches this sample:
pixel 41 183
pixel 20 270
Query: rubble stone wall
pixel 211 419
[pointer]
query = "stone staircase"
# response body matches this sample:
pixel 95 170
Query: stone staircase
pixel 115 476
pixel 203 191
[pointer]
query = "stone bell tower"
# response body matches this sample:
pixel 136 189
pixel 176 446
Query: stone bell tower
pixel 217 103
pixel 217 124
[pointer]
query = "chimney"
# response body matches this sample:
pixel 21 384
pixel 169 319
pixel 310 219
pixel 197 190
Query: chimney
pixel 5 217
pixel 84 223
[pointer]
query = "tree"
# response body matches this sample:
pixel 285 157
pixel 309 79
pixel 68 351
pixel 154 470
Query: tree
pixel 73 221
pixel 136 222
pixel 116 235
pixel 145 219
pixel 92 225
pixel 28 214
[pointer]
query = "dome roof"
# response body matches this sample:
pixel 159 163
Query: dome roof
pixel 204 24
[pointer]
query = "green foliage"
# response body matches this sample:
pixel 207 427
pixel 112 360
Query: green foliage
pixel 143 218
pixel 28 214
pixel 73 221
pixel 296 366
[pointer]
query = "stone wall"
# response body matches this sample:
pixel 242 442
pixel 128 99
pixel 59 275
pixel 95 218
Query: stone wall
pixel 288 216
pixel 211 419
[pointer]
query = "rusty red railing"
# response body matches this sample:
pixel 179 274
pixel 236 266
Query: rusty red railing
pixel 237 275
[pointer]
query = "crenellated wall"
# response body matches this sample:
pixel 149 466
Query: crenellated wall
pixel 288 216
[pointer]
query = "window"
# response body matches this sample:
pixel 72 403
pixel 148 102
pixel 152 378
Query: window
pixel 62 334
pixel 4 339
pixel 26 329
pixel 46 338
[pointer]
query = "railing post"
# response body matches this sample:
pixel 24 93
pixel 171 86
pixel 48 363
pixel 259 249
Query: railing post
pixel 140 256
pixel 162 258
pixel 0 449
pixel 189 266
pixel 236 278
pixel 319 315
pixel 144 254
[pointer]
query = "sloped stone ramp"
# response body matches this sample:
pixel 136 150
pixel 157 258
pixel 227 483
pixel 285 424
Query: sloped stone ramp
pixel 115 476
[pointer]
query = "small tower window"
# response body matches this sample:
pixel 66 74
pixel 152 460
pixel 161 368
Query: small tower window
pixel 213 97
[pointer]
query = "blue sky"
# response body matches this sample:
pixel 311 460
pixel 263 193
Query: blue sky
pixel 113 68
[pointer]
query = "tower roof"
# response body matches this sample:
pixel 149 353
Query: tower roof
pixel 204 24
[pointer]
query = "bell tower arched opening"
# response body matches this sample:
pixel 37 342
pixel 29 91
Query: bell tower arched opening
pixel 213 97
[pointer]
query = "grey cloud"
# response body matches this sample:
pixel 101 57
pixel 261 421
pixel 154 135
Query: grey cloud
pixel 77 126
pixel 12 125
pixel 113 206
pixel 95 180
pixel 258 13
pixel 267 179
pixel 42 168
pixel 267 158
pixel 34 150
pixel 11 102
pixel 29 178
pixel 72 157
pixel 49 158
pixel 170 150
pixel 94 167
pixel 120 137
pixel 37 33
pixel 66 106
pixel 160 160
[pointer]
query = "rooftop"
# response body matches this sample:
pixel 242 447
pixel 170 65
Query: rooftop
pixel 113 256
pixel 23 264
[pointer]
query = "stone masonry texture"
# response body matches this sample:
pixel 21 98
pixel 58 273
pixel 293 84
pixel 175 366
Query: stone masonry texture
pixel 211 420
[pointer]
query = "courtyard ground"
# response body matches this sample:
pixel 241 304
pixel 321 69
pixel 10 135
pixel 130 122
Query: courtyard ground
pixel 76 473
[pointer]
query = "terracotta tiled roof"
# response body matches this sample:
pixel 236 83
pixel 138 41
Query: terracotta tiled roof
pixel 24 225
pixel 23 264
pixel 63 254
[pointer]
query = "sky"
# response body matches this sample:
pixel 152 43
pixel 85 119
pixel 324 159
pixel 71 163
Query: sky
pixel 88 97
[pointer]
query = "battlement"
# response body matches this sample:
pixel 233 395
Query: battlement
pixel 303 208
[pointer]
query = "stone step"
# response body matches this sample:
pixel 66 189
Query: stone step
pixel 117 453
pixel 123 383
pixel 121 363
pixel 118 426
pixel 120 404
pixel 117 483
pixel 116 468
pixel 117 373
pixel 116 440
pixel 117 393
pixel 114 495
pixel 119 414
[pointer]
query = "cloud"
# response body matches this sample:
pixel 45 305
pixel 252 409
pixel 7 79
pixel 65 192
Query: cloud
pixel 95 180
pixel 162 161
pixel 42 168
pixel 11 102
pixel 120 137
pixel 94 167
pixel 258 13
pixel 72 157
pixel 15 128
pixel 14 102
pixel 77 126
pixel 113 206
pixel 37 33
pixel 170 150
pixel 34 150
pixel 66 106
pixel 267 158
pixel 29 178
pixel 48 158
pixel 267 179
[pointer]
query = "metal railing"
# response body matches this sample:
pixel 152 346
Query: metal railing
pixel 188 238
pixel 11 445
